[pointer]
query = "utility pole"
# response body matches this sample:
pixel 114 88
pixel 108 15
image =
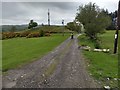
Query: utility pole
pixel 117 29
pixel 48 17
pixel 63 26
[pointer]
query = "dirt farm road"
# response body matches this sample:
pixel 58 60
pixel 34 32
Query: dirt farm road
pixel 63 67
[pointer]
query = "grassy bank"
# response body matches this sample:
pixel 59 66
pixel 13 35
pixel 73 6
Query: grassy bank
pixel 52 29
pixel 0 55
pixel 102 66
pixel 20 51
pixel 119 60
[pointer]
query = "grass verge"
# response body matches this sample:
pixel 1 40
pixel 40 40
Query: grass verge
pixel 102 66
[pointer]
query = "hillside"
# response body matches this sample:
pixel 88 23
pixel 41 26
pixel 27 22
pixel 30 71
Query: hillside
pixel 6 28
pixel 52 28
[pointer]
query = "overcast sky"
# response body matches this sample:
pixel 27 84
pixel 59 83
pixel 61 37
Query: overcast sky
pixel 21 11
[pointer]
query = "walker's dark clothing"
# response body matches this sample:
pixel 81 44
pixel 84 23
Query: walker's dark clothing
pixel 71 36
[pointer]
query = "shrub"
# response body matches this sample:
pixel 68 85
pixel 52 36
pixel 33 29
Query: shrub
pixel 11 35
pixel 24 34
pixel 47 34
pixel 0 36
pixel 97 44
pixel 29 36
pixel 35 34
pixel 17 34
pixel 3 36
pixel 42 33
pixel 8 35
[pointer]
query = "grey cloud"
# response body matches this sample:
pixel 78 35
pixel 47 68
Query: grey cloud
pixel 63 5
pixel 22 12
pixel 11 9
pixel 25 11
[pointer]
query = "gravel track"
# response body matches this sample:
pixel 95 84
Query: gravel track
pixel 65 68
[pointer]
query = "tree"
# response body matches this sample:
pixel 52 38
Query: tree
pixel 113 16
pixel 74 26
pixel 93 18
pixel 32 24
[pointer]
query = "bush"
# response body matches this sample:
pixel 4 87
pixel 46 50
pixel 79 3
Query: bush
pixel 17 34
pixel 0 36
pixel 27 34
pixel 11 35
pixel 24 34
pixel 35 34
pixel 42 33
pixel 3 36
pixel 47 34
pixel 97 44
pixel 8 35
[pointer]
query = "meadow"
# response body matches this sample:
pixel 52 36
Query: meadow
pixel 17 52
pixel 0 55
pixel 102 66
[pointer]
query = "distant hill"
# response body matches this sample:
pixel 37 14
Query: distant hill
pixel 46 28
pixel 52 28
pixel 6 28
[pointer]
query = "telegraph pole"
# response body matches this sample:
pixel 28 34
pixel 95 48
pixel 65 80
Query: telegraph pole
pixel 63 26
pixel 117 29
pixel 48 17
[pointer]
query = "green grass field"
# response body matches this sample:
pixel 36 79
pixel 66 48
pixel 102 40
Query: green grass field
pixel 0 55
pixel 102 66
pixel 108 40
pixel 119 58
pixel 20 51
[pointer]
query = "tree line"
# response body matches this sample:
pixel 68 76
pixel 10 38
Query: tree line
pixel 94 20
